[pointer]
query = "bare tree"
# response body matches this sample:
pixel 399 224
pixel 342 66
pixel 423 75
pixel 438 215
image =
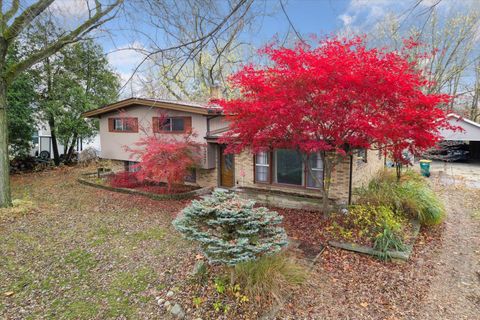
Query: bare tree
pixel 451 44
pixel 211 48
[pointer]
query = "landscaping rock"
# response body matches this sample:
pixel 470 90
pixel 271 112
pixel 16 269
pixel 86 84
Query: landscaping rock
pixel 177 311
pixel 170 294
pixel 160 301
pixel 167 305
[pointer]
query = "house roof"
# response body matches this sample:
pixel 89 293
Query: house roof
pixel 187 106
pixel 453 115
pixel 470 130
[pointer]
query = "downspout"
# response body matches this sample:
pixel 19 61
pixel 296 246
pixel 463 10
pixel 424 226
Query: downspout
pixel 350 181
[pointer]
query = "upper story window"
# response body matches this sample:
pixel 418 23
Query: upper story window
pixel 174 125
pixel 123 124
pixel 171 124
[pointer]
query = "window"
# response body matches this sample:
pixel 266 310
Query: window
pixel 123 124
pixel 315 171
pixel 362 155
pixel 173 125
pixel 288 167
pixel 262 167
pixel 191 176
pixel 131 166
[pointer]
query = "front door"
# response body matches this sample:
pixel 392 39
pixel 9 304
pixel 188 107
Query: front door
pixel 226 168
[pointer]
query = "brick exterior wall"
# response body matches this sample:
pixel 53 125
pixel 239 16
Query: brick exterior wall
pixel 207 177
pixel 363 171
pixel 244 177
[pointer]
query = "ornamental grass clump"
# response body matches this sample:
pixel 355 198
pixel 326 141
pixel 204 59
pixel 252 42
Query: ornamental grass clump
pixel 270 276
pixel 231 230
pixel 411 196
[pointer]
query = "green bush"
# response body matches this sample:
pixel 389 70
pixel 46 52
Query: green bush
pixel 231 230
pixel 370 220
pixel 411 196
pixel 269 276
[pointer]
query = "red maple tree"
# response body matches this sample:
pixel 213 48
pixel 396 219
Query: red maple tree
pixel 332 99
pixel 164 158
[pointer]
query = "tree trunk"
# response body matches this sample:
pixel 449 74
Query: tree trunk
pixel 56 156
pixel 398 170
pixel 5 197
pixel 69 153
pixel 327 179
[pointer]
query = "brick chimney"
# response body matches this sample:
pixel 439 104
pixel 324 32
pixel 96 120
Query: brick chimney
pixel 215 91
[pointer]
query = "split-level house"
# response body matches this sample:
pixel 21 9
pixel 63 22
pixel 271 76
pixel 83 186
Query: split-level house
pixel 278 177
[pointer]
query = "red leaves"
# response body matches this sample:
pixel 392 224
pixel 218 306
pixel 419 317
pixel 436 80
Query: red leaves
pixel 124 180
pixel 337 96
pixel 165 159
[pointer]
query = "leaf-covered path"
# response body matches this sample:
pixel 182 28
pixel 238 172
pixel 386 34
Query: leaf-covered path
pixel 455 291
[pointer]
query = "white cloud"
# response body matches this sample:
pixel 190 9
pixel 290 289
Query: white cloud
pixel 126 57
pixel 346 19
pixel 71 8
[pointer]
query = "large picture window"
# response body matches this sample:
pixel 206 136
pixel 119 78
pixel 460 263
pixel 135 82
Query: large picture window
pixel 262 167
pixel 288 167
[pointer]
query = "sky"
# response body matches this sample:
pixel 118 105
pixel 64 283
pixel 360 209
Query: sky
pixel 319 17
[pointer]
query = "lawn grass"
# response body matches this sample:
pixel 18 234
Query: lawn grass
pixel 81 253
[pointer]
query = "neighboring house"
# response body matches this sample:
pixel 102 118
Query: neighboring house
pixel 278 176
pixel 42 143
pixel 470 134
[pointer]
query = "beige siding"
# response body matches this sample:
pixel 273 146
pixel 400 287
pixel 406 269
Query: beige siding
pixel 218 123
pixel 113 143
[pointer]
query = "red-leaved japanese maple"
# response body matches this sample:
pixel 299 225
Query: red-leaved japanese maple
pixel 332 99
pixel 166 158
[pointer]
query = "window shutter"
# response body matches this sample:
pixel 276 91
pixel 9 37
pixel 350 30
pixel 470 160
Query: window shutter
pixel 110 124
pixel 135 124
pixel 188 124
pixel 156 124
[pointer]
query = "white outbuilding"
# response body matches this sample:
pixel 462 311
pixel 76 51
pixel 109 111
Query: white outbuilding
pixel 470 134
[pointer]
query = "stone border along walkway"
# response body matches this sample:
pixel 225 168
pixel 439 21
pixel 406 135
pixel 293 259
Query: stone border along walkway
pixel 401 255
pixel 151 195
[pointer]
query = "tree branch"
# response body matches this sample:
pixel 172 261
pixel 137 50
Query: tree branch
pixel 92 23
pixel 24 18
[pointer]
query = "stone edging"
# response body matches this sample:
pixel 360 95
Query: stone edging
pixel 401 255
pixel 151 195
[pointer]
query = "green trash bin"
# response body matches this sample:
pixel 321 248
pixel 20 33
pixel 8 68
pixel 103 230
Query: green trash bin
pixel 425 167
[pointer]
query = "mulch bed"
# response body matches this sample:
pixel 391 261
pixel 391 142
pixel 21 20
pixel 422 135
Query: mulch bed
pixel 312 229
